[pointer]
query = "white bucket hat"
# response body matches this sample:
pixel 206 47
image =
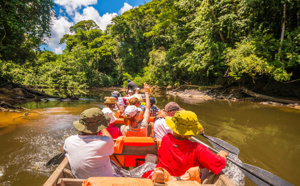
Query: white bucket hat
pixel 108 112
pixel 131 110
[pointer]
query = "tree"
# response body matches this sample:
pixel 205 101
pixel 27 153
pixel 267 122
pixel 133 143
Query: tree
pixel 130 28
pixel 23 25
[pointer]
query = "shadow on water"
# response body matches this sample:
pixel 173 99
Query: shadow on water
pixel 267 136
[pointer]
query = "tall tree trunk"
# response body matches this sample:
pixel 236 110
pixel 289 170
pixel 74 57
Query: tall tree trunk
pixel 282 31
pixel 215 20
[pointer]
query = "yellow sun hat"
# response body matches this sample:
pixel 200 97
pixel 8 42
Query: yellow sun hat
pixel 184 123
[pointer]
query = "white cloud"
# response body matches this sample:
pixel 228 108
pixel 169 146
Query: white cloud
pixel 125 8
pixel 90 13
pixel 59 28
pixel 58 49
pixel 72 5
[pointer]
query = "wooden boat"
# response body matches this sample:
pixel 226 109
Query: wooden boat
pixel 129 152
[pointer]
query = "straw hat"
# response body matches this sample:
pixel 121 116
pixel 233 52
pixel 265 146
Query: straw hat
pixel 110 100
pixel 92 121
pixel 184 123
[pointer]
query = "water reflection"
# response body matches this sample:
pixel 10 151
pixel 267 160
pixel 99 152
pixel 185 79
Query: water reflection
pixel 62 93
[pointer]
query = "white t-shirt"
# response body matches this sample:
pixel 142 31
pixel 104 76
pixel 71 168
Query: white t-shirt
pixel 140 131
pixel 109 113
pixel 89 155
pixel 161 128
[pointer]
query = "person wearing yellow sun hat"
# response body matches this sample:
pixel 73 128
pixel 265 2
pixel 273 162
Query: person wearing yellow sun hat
pixel 177 153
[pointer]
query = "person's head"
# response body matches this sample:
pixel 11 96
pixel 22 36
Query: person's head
pixel 115 96
pixel 132 113
pixel 171 108
pixel 184 124
pixel 152 101
pixel 91 121
pixel 109 113
pixel 135 101
pixel 116 92
pixel 110 102
pixel 137 90
pixel 128 80
pixel 130 92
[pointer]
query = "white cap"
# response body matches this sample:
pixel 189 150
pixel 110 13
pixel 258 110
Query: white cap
pixel 131 110
pixel 138 88
pixel 108 112
pixel 129 90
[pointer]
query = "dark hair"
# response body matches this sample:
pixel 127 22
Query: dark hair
pixel 152 100
pixel 110 105
pixel 131 119
pixel 115 96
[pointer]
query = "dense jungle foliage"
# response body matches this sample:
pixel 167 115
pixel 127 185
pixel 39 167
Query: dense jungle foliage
pixel 164 42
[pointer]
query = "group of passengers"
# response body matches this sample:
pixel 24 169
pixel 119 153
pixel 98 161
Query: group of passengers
pixel 89 151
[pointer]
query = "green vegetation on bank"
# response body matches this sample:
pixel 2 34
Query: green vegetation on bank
pixel 165 42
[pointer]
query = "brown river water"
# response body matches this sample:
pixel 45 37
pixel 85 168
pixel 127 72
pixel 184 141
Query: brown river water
pixel 267 136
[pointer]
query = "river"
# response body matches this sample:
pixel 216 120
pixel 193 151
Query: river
pixel 267 136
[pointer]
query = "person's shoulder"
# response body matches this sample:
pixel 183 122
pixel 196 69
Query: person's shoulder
pixel 159 120
pixel 72 137
pixel 124 128
pixel 105 109
pixel 168 137
pixel 199 147
pixel 105 138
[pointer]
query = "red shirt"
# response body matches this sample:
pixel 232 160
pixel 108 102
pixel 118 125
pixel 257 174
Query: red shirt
pixel 113 130
pixel 177 156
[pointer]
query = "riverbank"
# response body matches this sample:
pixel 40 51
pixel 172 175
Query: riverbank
pixel 13 94
pixel 231 94
pixel 205 93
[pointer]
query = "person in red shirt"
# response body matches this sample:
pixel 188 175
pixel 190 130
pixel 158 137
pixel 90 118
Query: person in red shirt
pixel 177 153
pixel 112 129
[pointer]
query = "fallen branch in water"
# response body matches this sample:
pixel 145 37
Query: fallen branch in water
pixel 36 92
pixel 253 94
pixel 4 106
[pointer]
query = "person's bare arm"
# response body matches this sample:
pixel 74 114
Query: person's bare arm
pixel 147 111
pixel 63 149
pixel 201 132
pixel 119 107
pixel 106 133
pixel 223 154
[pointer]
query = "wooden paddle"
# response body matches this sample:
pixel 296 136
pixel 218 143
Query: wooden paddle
pixel 257 175
pixel 222 145
pixel 57 159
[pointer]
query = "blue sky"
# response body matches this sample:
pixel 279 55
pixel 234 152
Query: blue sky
pixel 69 12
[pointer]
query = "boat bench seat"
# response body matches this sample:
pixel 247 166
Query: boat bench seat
pixel 131 151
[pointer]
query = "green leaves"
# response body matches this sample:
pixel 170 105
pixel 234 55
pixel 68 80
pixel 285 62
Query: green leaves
pixel 245 60
pixel 164 42
pixel 22 22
